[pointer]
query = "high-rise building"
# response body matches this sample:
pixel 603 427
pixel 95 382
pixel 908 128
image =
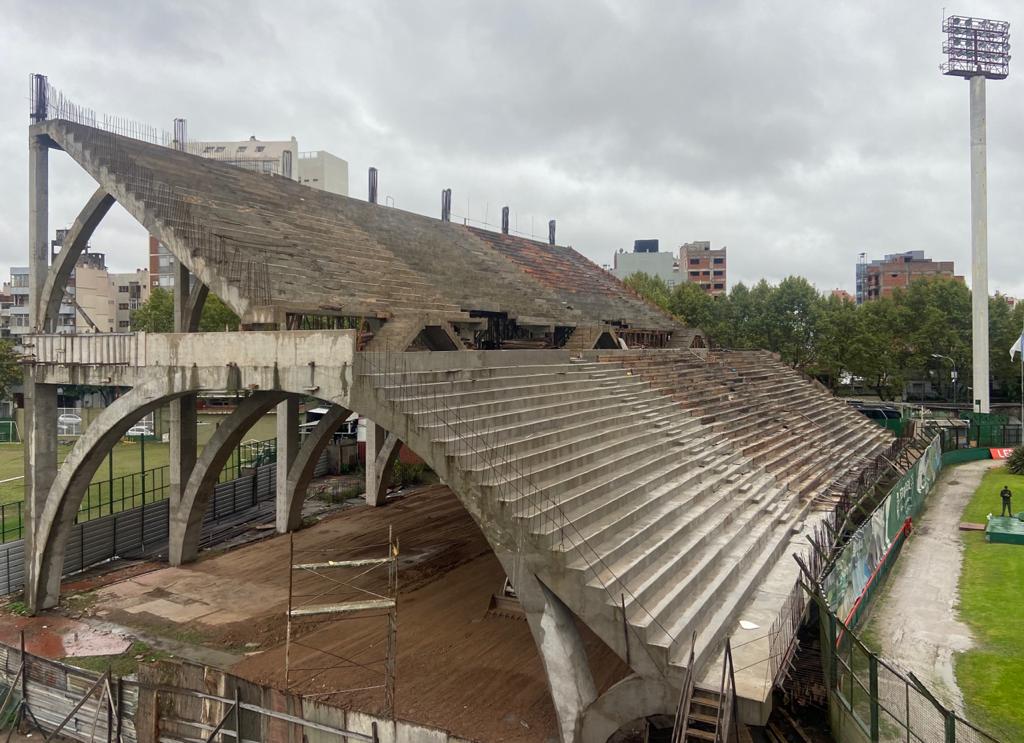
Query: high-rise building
pixel 318 169
pixel 130 291
pixel 881 277
pixel 646 258
pixel 704 266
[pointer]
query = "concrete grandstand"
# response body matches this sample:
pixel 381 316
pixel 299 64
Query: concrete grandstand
pixel 624 474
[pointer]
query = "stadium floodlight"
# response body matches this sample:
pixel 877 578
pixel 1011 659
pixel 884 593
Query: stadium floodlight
pixel 976 46
pixel 978 49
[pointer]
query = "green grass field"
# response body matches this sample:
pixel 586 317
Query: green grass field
pixel 991 676
pixel 127 456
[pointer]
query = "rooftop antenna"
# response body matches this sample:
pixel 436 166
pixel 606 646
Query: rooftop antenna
pixel 978 49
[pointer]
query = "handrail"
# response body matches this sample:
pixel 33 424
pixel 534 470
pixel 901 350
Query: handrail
pixel 686 697
pixel 726 698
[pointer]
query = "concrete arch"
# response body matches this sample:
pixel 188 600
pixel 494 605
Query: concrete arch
pixel 74 244
pixel 631 698
pixel 289 509
pixel 53 526
pixel 187 515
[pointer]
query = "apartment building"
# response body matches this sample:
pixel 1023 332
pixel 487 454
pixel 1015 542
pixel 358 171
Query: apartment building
pixel 880 278
pixel 705 267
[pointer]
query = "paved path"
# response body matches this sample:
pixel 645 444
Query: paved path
pixel 915 621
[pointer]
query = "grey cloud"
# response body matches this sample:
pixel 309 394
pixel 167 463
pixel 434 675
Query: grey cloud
pixel 800 134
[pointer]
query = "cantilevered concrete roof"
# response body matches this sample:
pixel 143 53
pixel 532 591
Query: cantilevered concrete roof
pixel 269 246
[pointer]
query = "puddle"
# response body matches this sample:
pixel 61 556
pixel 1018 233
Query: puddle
pixel 56 637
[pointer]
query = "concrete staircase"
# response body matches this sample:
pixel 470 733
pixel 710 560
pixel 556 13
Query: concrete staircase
pixel 626 493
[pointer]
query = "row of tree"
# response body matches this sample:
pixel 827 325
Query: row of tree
pixel 156 314
pixel 918 334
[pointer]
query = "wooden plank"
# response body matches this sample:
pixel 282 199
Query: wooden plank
pixel 347 607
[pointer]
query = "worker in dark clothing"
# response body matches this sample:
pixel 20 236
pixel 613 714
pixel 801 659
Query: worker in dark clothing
pixel 1006 495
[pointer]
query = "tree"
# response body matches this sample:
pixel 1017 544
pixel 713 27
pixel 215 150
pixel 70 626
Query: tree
pixel 10 369
pixel 652 288
pixel 156 315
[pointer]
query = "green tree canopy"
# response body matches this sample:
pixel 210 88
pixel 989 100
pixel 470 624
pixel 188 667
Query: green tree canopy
pixel 156 315
pixel 921 332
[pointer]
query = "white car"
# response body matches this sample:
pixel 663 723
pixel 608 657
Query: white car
pixel 69 419
pixel 139 430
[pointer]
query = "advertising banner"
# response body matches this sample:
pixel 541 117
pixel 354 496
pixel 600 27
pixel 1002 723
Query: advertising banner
pixel 868 549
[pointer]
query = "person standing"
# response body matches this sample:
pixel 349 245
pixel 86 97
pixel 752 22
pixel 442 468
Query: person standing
pixel 1006 494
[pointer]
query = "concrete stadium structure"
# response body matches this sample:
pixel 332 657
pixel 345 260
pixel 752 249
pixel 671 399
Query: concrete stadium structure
pixel 651 494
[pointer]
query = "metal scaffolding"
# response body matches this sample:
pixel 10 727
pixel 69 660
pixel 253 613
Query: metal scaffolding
pixel 324 590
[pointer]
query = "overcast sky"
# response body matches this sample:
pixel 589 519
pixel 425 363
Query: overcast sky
pixel 800 134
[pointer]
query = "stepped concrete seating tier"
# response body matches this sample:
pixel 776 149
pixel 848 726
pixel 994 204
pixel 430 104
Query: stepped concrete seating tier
pixel 268 246
pixel 661 484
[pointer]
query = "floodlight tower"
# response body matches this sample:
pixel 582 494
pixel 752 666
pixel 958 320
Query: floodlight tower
pixel 977 49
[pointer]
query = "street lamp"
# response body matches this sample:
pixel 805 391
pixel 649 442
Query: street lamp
pixel 953 375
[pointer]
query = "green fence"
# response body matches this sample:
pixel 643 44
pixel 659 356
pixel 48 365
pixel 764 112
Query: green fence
pixel 115 494
pixel 871 701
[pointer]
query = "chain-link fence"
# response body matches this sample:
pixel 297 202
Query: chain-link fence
pixel 871 701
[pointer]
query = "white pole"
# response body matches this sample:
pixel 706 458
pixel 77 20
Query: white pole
pixel 979 246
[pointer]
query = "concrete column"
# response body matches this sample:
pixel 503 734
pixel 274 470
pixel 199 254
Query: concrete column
pixel 287 450
pixel 40 471
pixel 38 227
pixel 182 418
pixel 375 437
pixel 561 651
pixel 979 246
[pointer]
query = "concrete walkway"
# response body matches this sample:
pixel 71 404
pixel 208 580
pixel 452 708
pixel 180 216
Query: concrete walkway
pixel 915 620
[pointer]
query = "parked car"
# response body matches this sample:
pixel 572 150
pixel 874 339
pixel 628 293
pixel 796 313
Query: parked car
pixel 69 419
pixel 140 429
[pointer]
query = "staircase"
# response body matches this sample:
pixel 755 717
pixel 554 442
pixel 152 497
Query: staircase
pixel 626 502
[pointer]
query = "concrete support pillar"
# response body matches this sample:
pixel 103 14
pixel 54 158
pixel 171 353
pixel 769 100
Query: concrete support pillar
pixel 183 421
pixel 287 450
pixel 375 436
pixel 40 471
pixel 381 451
pixel 979 246
pixel 561 650
pixel 38 227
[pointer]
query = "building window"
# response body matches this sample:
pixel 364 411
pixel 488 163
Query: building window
pixel 122 306
pixel 123 289
pixel 220 149
pixel 719 286
pixel 208 148
pixel 241 148
pixel 260 148
pixel 719 261
pixel 695 261
pixel 719 273
pixel 123 324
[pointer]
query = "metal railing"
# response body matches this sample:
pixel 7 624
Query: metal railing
pixel 115 494
pixel 113 349
pixel 726 716
pixel 685 697
pixel 872 698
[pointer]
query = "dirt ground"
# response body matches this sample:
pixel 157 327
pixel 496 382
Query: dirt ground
pixel 916 621
pixel 458 667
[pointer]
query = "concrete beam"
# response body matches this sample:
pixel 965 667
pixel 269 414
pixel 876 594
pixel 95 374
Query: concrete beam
pixel 187 519
pixel 289 508
pixel 632 698
pixel 64 263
